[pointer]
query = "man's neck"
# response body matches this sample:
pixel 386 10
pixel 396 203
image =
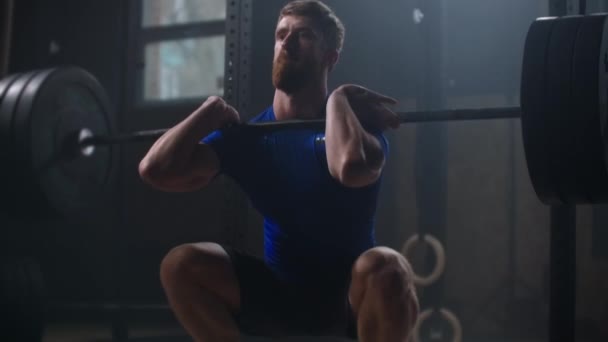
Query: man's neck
pixel 306 104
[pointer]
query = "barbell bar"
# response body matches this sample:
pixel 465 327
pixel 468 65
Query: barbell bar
pixel 47 113
pixel 86 139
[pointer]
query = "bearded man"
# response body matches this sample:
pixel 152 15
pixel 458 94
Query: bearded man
pixel 322 273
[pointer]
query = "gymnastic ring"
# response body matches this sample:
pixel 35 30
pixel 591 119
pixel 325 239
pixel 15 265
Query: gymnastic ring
pixel 439 253
pixel 447 315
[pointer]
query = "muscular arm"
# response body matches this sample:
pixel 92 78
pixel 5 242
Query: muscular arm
pixel 177 161
pixel 354 156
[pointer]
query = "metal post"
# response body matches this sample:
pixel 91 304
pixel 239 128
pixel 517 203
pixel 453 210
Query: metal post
pixel 6 17
pixel 562 305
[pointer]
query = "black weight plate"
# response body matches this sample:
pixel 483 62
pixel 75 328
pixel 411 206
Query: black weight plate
pixel 6 115
pixel 558 107
pixel 5 83
pixel 10 91
pixel 532 94
pixel 589 169
pixel 55 105
pixel 12 86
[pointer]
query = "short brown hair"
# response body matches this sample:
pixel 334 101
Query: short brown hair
pixel 324 17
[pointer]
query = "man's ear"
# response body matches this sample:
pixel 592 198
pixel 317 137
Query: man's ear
pixel 332 57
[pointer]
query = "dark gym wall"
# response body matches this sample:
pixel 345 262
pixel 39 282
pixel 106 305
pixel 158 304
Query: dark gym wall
pixel 89 34
pixel 494 281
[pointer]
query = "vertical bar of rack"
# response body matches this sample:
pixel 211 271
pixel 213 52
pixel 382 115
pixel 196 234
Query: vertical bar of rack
pixel 237 90
pixel 562 257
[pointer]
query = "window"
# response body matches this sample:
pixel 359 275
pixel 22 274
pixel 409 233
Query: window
pixel 596 6
pixel 182 46
pixel 171 12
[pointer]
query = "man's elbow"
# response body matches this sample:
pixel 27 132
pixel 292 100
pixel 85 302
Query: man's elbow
pixel 152 175
pixel 356 173
pixel 170 181
pixel 147 172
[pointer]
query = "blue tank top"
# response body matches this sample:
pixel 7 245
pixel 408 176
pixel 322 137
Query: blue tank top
pixel 313 225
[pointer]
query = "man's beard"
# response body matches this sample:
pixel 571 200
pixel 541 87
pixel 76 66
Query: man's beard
pixel 289 77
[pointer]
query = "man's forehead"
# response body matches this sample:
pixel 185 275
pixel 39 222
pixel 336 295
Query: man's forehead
pixel 296 22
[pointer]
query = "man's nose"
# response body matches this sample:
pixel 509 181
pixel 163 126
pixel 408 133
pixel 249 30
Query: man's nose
pixel 289 42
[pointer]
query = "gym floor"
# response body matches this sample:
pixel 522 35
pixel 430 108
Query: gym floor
pixel 99 333
pixel 143 333
pixel 160 326
pixel 151 325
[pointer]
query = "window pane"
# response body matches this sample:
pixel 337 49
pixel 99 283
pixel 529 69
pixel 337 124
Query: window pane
pixel 184 68
pixel 597 6
pixel 171 12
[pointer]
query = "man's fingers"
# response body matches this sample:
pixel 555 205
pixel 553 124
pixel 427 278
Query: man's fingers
pixel 393 120
pixel 381 98
pixel 390 117
pixel 370 95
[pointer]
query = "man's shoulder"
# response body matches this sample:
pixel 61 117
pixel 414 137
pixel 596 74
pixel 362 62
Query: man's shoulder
pixel 266 115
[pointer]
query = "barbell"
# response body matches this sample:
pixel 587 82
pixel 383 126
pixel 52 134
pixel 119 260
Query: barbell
pixel 57 134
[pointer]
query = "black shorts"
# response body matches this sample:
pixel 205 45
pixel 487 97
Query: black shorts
pixel 273 308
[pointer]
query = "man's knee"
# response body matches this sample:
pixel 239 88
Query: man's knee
pixel 176 262
pixel 384 271
pixel 206 266
pixel 187 261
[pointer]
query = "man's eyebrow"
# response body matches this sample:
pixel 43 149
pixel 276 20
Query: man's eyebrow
pixel 298 29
